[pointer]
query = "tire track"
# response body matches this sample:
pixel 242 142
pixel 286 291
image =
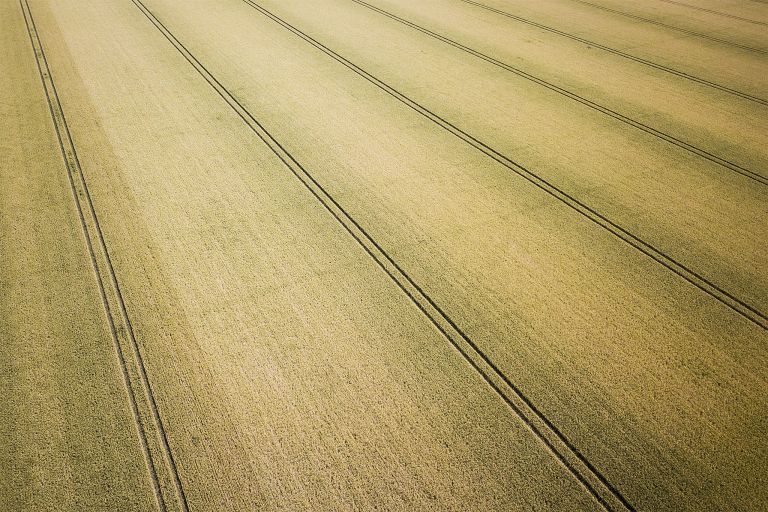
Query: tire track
pixel 746 310
pixel 712 11
pixel 620 53
pixel 672 27
pixel 559 445
pixel 119 323
pixel 575 97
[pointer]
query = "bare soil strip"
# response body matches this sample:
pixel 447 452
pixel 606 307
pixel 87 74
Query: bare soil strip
pixel 614 51
pixel 119 323
pixel 691 275
pixel 576 97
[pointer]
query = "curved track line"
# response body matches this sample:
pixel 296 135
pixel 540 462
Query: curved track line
pixel 620 53
pixel 672 27
pixel 571 95
pixel 712 11
pixel 95 242
pixel 553 439
pixel 747 311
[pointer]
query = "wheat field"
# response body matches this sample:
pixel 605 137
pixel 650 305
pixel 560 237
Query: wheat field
pixel 383 255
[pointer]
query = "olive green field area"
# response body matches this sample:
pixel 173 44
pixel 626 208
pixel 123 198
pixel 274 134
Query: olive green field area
pixel 383 255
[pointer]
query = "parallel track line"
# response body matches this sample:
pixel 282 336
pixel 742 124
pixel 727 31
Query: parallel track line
pixel 712 11
pixel 702 153
pixel 655 65
pixel 747 311
pixel 95 242
pixel 551 437
pixel 672 27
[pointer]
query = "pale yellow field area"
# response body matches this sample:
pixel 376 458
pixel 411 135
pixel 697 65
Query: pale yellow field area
pixel 383 255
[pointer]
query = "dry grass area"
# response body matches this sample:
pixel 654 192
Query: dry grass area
pixel 383 255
